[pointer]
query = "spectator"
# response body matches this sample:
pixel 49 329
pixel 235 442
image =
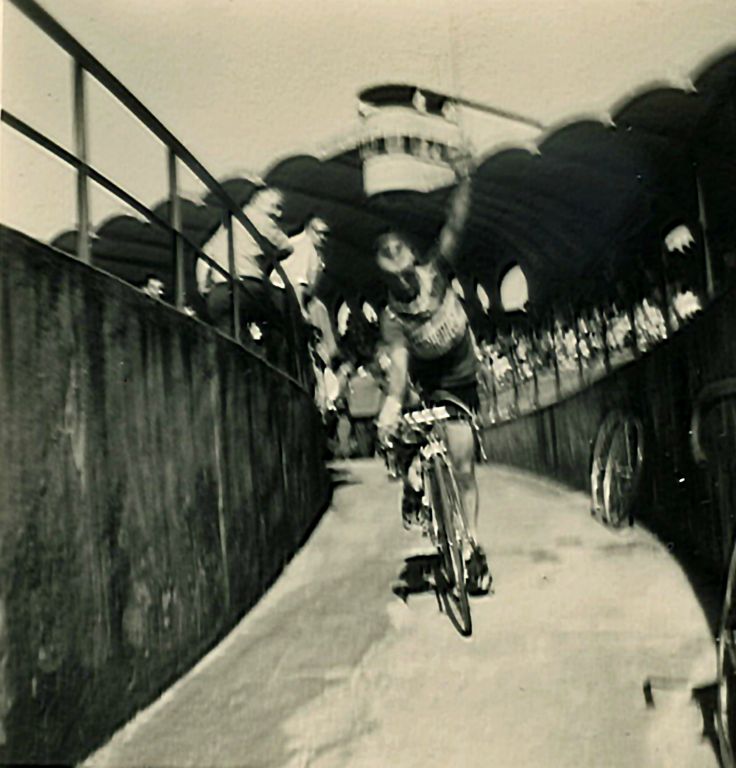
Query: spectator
pixel 620 331
pixel 306 262
pixel 650 323
pixel 325 346
pixel 302 269
pixel 685 304
pixel 254 260
pixel 153 286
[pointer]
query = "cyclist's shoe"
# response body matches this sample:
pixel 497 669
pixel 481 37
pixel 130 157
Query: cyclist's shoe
pixel 479 577
pixel 411 507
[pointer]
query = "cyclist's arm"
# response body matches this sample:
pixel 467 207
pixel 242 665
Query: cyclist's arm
pixel 448 244
pixel 398 373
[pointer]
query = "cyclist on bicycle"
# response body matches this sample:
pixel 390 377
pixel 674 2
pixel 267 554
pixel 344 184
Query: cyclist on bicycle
pixel 429 340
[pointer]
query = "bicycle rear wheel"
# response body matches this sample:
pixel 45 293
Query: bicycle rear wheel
pixel 726 645
pixel 451 536
pixel 623 470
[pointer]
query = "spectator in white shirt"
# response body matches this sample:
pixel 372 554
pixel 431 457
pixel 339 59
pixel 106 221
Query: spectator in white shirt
pixel 254 260
pixel 306 262
pixel 302 270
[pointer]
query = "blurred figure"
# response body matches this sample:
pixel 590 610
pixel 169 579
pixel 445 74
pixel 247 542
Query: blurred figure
pixel 153 286
pixel 426 331
pixel 679 239
pixel 324 344
pixel 620 331
pixel 303 269
pixel 364 397
pixel 650 323
pixel 306 262
pixel 685 304
pixel 254 260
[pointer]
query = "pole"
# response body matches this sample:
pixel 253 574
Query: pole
pixel 578 354
pixel 533 363
pixel 665 289
pixel 233 277
pixel 606 349
pixel 634 331
pixel 555 360
pixel 176 225
pixel 494 392
pixel 80 148
pixel 709 280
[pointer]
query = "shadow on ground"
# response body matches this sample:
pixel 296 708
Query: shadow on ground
pixel 417 577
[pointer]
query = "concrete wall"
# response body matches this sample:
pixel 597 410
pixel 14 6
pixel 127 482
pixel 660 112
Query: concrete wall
pixel 689 506
pixel 154 479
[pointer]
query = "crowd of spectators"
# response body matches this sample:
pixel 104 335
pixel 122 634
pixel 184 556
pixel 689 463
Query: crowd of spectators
pixel 579 345
pixel 564 354
pixel 275 276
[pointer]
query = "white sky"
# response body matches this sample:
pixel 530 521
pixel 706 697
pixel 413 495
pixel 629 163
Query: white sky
pixel 244 82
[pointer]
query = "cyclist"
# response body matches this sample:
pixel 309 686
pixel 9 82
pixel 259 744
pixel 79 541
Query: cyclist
pixel 429 341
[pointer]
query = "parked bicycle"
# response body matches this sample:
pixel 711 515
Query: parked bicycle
pixel 420 447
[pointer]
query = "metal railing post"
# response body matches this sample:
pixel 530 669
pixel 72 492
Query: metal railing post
pixel 578 351
pixel 631 312
pixel 233 276
pixel 494 393
pixel 80 148
pixel 515 378
pixel 664 287
pixel 86 65
pixel 177 244
pixel 533 364
pixel 710 288
pixel 606 348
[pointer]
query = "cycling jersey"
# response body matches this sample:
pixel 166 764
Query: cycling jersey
pixel 434 328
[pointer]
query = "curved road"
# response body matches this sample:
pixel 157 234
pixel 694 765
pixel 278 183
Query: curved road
pixel 334 669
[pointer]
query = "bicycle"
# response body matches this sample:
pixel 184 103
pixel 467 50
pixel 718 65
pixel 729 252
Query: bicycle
pixel 421 436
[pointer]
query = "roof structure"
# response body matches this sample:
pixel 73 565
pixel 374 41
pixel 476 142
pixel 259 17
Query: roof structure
pixel 585 206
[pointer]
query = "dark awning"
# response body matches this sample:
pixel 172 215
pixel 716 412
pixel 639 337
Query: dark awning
pixel 586 205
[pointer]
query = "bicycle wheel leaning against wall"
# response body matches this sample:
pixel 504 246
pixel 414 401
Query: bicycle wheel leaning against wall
pixel 617 465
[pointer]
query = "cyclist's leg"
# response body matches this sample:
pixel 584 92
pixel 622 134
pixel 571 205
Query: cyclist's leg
pixel 461 446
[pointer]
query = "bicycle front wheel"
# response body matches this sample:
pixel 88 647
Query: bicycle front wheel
pixel 726 644
pixel 451 536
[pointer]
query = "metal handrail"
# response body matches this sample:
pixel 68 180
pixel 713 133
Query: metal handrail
pixel 84 61
pixel 55 149
pixel 45 22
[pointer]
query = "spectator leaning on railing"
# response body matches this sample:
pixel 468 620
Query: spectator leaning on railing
pixel 303 266
pixel 153 286
pixel 303 269
pixel 253 266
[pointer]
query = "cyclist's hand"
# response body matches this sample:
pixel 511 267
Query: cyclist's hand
pixel 386 434
pixel 462 161
pixel 386 438
pixel 388 420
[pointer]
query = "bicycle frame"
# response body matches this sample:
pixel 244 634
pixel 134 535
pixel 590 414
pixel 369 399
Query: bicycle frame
pixel 447 526
pixel 427 423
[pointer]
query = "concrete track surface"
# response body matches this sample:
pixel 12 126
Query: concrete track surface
pixel 333 670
